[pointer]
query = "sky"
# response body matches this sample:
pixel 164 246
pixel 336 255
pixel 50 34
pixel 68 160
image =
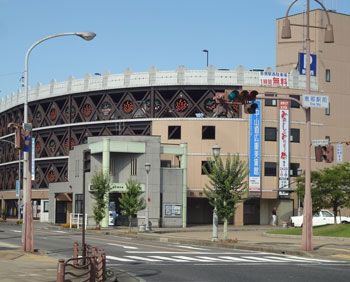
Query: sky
pixel 138 34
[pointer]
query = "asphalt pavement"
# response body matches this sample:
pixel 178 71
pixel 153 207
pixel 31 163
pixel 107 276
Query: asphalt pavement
pixel 16 265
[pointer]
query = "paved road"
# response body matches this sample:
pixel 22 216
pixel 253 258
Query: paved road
pixel 158 261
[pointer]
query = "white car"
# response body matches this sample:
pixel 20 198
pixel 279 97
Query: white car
pixel 323 217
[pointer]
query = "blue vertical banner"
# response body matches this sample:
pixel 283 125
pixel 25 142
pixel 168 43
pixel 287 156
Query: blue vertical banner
pixel 255 150
pixel 33 158
pixel 18 187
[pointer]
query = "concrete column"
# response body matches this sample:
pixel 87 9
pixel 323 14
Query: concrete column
pixel 105 168
pixel 239 215
pixel 183 165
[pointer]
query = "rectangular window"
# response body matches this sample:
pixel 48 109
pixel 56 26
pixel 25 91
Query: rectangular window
pixel 208 132
pixel 293 167
pixel 294 104
pixel 327 111
pixel 133 163
pixel 270 168
pixel 328 75
pixel 206 165
pixel 270 102
pixel 295 135
pixel 78 203
pixel 46 206
pixel 270 134
pixel 174 132
pixel 165 163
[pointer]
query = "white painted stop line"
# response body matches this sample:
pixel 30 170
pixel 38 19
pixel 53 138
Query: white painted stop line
pixel 119 259
pixel 123 246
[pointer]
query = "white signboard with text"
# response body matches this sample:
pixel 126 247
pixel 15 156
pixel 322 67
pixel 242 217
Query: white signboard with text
pixel 273 79
pixel 315 101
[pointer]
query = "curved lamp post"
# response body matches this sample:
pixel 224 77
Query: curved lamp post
pixel 329 38
pixel 206 51
pixel 216 153
pixel 27 226
pixel 148 169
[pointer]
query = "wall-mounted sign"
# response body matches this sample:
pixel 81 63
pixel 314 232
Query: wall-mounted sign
pixel 172 210
pixel 302 64
pixel 273 79
pixel 315 101
pixel 339 153
pixel 255 150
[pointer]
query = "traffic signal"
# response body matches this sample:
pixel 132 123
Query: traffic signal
pixel 86 160
pixel 249 101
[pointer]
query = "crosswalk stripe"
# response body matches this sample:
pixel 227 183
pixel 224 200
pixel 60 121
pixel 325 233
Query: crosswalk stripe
pixel 310 259
pixel 17 231
pixel 192 248
pixel 283 258
pixel 234 259
pixel 211 259
pixel 191 258
pixel 119 259
pixel 123 246
pixel 169 259
pixel 259 259
pixel 59 231
pixel 142 258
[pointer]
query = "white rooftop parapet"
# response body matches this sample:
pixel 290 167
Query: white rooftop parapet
pixel 154 77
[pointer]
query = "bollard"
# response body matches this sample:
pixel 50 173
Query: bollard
pixel 60 270
pixel 99 267
pixel 104 266
pixel 75 253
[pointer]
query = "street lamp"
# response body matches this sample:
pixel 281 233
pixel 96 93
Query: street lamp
pixel 206 51
pixel 329 38
pixel 27 226
pixel 148 169
pixel 216 153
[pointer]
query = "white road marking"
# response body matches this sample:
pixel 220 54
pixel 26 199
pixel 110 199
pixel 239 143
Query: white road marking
pixel 142 258
pixel 123 246
pixel 191 259
pixel 119 259
pixel 192 248
pixel 310 259
pixel 238 259
pixel 259 259
pixel 169 259
pixel 212 259
pixel 60 231
pixel 17 231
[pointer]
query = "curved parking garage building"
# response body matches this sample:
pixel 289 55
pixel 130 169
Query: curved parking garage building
pixel 177 109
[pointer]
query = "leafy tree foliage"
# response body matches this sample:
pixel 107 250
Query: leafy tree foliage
pixel 228 185
pixel 101 184
pixel 131 201
pixel 330 188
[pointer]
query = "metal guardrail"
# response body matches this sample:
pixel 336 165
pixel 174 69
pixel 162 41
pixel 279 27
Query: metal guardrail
pixel 89 267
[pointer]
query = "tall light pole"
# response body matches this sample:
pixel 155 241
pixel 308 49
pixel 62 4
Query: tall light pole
pixel 148 169
pixel 206 51
pixel 329 38
pixel 27 226
pixel 216 154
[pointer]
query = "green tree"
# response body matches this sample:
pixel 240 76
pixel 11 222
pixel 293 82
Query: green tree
pixel 101 184
pixel 227 186
pixel 331 188
pixel 131 201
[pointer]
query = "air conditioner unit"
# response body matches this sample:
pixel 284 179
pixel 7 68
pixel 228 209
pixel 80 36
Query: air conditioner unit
pixel 91 188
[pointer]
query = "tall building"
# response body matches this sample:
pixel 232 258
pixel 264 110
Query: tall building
pixel 179 107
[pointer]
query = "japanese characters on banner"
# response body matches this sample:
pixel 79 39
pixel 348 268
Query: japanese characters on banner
pixel 273 79
pixel 339 153
pixel 255 150
pixel 283 147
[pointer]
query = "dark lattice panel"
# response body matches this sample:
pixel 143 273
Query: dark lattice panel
pixel 117 104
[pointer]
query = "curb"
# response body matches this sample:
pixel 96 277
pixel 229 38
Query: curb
pixel 342 239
